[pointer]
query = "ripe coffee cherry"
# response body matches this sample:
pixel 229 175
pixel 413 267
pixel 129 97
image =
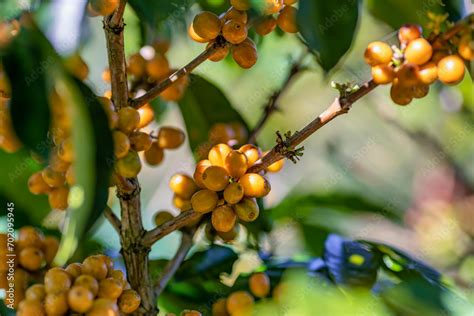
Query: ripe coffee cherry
pixel 243 5
pixel 276 166
pixel 233 193
pixel 162 217
pixel 400 94
pixel 239 303
pixel 218 153
pixel 245 54
pixel 110 288
pixel 52 178
pixel 272 6
pixel 140 141
pixel 104 7
pixel 219 308
pixel 181 204
pixel 50 248
pixel 265 25
pixel 418 51
pixel 170 137
pixel 56 304
pixel 88 282
pixel 36 292
pixel 420 91
pixel 183 185
pixel 236 164
pixel 95 267
pixel 136 65
pixel 29 236
pixel 220 53
pixel 66 150
pixel 176 90
pixel 215 178
pixel 37 185
pixel 31 258
pixel 407 75
pixel 255 185
pixel 157 67
pixel 129 166
pixel 234 14
pixel 58 198
pixel 147 115
pixel 428 73
pixel 383 74
pixel 128 119
pixel 194 36
pixel 223 218
pixel 198 172
pixel 74 270
pixel 378 53
pixel 234 31
pixel 259 284
pixel 129 301
pixel 80 299
pixel 103 306
pixel 247 210
pixel 451 70
pixel 31 307
pixel 120 276
pixel 154 155
pixel 121 144
pixel 56 280
pixel 287 19
pixel 207 25
pixel 230 235
pixel 251 152
pixel 466 47
pixel 57 164
pixel 408 33
pixel 204 201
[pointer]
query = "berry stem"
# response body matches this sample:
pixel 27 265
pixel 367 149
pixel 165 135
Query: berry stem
pixel 113 219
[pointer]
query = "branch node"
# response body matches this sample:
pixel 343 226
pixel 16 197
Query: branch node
pixel 345 89
pixel 285 149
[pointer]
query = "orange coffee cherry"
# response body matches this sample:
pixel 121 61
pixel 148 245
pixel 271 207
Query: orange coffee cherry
pixel 255 185
pixel 147 115
pixel 103 306
pixel 128 119
pixel 230 235
pixel 451 70
pixel 407 74
pixel 428 73
pixel 57 164
pixel 129 301
pixel 245 54
pixel 243 5
pixel 161 45
pixel 420 91
pixel 50 248
pixel 272 6
pixel 121 144
pixel 170 137
pixel 88 282
pixel 194 36
pixel 201 166
pixel 103 7
pixel 418 51
pixel 219 308
pixel 56 303
pixel 95 266
pixel 383 74
pixel 70 176
pixel 106 75
pixel 218 153
pixel 207 25
pixel 176 90
pixel 466 47
pixel 140 141
pixel 162 217
pixel 378 53
pixel 157 67
pixel 119 276
pixel 259 284
pixel 247 210
pixel 240 301
pixel 204 201
pixel 183 185
pixel 234 31
pixel 37 185
pixel 223 218
pixel 66 150
pixel 31 258
pixel 219 54
pixel 129 166
pixel 236 163
pixel 287 19
pixel 80 299
pixel 215 178
pixel 58 198
pixel 154 155
pixel 107 260
pixel 136 65
pixel 234 14
pixel 53 178
pixel 110 288
pixel 181 204
pixel 31 308
pixel 56 280
pixel 36 292
pixel 233 193
pixel 29 236
pixel 251 152
pixel 74 270
pixel 221 133
pixel 265 25
pixel 408 33
pixel 400 94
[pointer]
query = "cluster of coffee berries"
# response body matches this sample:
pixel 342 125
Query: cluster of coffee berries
pixel 102 7
pixel 231 27
pixel 92 288
pixel 21 260
pixel 418 63
pixel 232 134
pixel 242 302
pixel 150 66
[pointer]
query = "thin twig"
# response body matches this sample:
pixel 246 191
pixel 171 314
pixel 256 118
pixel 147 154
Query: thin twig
pixel 116 19
pixel 113 219
pixel 162 85
pixel 173 265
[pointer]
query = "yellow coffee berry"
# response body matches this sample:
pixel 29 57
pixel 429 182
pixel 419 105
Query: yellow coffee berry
pixel 162 217
pixel 58 198
pixel 56 280
pixel 66 150
pixel 287 19
pixel 80 299
pixel 57 164
pixel 207 25
pixel 31 308
pixel 234 31
pixel 140 141
pixel 136 65
pixel 129 301
pixel 255 185
pixel 170 137
pixel 121 144
pixel 378 53
pixel 230 235
pixel 265 25
pixel 36 292
pixel 56 303
pixel 129 166
pixel 408 33
pixel 400 94
pixel 157 67
pixel 428 73
pixel 251 152
pixel 466 47
pixel 223 218
pixel 259 284
pixel 183 185
pixel 31 258
pixel 103 7
pixel 181 204
pixel 110 288
pixel 154 155
pixel 233 193
pixel 245 54
pixel 272 6
pixel 215 178
pixel 383 74
pixel 247 209
pixel 218 153
pixel 95 266
pixel 407 74
pixel 50 248
pixel 219 54
pixel 88 282
pixel 276 166
pixel 236 164
pixel 219 308
pixel 176 90
pixel 147 115
pixel 194 36
pixel 201 166
pixel 128 119
pixel 204 201
pixel 37 185
pixel 418 51
pixel 103 306
pixel 234 14
pixel 29 236
pixel 70 176
pixel 74 270
pixel 239 302
pixel 451 70
pixel 53 178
